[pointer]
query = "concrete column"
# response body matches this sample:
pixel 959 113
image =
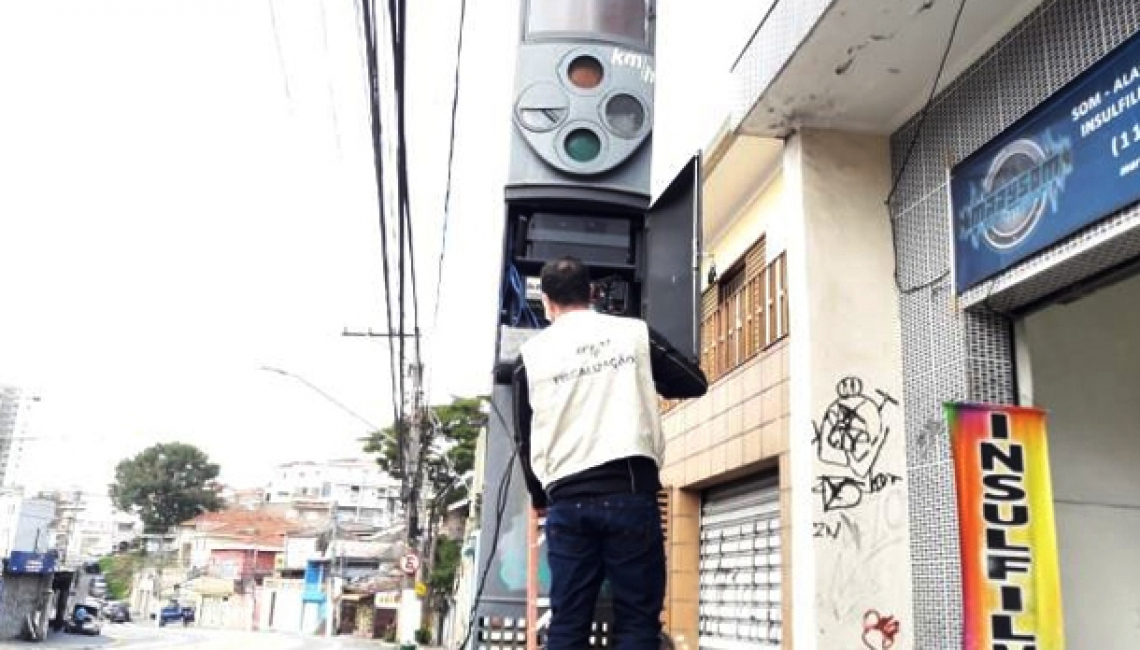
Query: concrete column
pixel 850 537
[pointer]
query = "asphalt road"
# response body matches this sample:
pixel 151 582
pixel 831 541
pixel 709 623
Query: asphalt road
pixel 149 637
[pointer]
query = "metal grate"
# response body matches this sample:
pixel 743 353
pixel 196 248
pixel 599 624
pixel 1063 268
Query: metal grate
pixel 961 349
pixel 740 567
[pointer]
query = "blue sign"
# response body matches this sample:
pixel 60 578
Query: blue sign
pixel 1069 163
pixel 25 562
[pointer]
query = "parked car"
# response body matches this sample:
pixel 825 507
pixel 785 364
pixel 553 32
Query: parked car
pixel 117 612
pixel 174 612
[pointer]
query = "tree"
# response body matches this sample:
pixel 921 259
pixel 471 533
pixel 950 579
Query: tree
pixel 119 571
pixel 448 444
pixel 448 455
pixel 441 581
pixel 166 484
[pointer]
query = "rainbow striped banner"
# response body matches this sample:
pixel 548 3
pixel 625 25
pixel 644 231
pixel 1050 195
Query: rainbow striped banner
pixel 1011 585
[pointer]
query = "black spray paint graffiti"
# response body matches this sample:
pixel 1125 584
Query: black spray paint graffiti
pixel 849 439
pixel 831 530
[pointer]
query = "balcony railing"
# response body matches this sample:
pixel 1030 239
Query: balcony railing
pixel 749 315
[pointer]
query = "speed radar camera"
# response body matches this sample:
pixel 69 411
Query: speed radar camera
pixel 583 103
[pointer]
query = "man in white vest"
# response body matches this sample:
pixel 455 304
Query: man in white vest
pixel 589 434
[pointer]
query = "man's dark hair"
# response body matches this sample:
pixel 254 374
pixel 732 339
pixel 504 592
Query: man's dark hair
pixel 566 282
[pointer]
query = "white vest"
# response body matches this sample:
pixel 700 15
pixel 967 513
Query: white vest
pixel 592 393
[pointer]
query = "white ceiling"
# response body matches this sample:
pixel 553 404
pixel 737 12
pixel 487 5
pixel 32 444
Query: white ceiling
pixel 868 64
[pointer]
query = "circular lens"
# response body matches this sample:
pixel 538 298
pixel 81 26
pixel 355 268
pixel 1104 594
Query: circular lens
pixel 585 72
pixel 625 115
pixel 582 145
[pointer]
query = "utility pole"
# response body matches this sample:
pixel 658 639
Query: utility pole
pixel 411 455
pixel 330 616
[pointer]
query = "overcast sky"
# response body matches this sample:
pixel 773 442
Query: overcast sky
pixel 186 195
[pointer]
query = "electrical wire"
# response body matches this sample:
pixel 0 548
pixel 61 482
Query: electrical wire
pixel 522 307
pixel 450 164
pixel 502 498
pixel 910 150
pixel 369 23
pixel 280 54
pixel 328 81
pixel 929 102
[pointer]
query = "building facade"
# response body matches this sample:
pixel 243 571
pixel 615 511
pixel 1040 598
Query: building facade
pixel 1055 325
pixel 355 489
pixel 88 526
pixel 25 523
pixel 945 198
pixel 17 412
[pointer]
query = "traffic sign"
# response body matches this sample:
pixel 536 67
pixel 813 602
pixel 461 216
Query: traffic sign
pixel 410 563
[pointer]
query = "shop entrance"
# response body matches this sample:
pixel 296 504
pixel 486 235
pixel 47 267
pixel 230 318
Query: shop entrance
pixel 1080 361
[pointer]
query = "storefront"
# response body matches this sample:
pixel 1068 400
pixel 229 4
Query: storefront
pixel 1018 240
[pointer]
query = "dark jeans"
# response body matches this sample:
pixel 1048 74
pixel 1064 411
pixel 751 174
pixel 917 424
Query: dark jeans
pixel 618 538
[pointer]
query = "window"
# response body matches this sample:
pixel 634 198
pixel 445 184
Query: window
pixel 745 312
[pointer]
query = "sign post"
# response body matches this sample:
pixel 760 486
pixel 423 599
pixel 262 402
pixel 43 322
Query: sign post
pixel 410 613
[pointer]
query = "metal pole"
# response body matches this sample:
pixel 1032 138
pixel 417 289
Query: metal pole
pixel 330 616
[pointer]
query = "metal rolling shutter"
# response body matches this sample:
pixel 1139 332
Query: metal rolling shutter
pixel 741 589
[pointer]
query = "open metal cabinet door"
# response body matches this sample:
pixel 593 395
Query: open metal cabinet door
pixel 671 286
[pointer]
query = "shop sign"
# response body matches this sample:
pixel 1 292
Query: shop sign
pixel 1011 586
pixel 1069 163
pixel 25 562
pixel 387 600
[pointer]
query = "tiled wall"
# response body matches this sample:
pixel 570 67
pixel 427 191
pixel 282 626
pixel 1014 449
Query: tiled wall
pixel 740 427
pixel 950 353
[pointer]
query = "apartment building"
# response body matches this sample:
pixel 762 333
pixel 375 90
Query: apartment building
pixel 355 489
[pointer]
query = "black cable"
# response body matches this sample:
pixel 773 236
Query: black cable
pixel 910 150
pixel 502 498
pixel 898 282
pixel 397 15
pixel 450 163
pixel 929 101
pixel 368 17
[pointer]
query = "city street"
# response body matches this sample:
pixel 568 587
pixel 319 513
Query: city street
pixel 147 637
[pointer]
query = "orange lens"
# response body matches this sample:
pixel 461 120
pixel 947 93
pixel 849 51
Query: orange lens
pixel 585 72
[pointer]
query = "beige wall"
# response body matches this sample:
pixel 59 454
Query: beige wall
pixel 847 438
pixel 740 427
pixel 759 217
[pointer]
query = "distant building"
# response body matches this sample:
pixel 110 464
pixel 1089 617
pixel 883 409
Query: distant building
pixel 88 526
pixel 17 407
pixel 24 523
pixel 243 498
pixel 355 489
pixel 208 543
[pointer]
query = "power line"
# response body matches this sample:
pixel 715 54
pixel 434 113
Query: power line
pixel 280 54
pixel 910 150
pixel 929 102
pixel 328 80
pixel 450 165
pixel 368 18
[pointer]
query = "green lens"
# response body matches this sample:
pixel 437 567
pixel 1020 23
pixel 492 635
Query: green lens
pixel 582 145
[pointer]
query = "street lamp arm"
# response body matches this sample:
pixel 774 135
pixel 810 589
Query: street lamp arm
pixel 330 398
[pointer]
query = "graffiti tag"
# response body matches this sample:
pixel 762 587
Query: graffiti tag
pixel 850 438
pixel 879 631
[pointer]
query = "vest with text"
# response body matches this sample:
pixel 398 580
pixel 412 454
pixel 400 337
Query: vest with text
pixel 592 393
